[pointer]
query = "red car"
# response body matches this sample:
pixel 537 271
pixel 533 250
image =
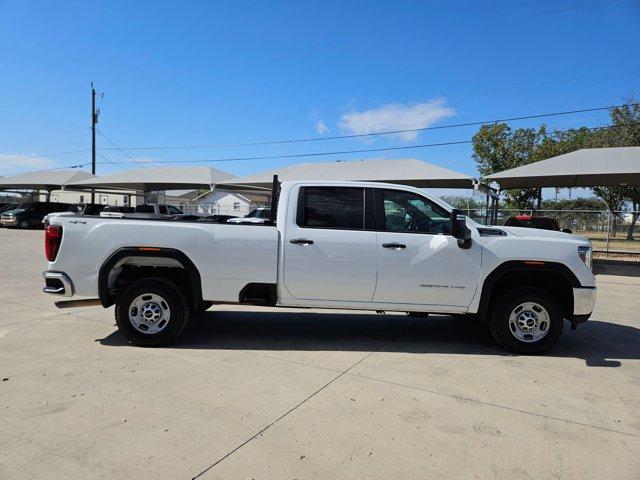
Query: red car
pixel 532 221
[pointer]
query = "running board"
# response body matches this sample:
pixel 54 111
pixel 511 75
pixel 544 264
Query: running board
pixel 87 302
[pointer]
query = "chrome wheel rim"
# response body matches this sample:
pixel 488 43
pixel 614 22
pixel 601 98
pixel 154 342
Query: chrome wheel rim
pixel 149 313
pixel 529 322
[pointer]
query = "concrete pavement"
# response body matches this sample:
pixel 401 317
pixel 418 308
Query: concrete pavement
pixel 284 394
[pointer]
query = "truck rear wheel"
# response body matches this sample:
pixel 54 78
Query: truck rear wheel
pixel 151 312
pixel 527 320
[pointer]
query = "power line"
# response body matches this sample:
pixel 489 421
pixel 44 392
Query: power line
pixel 116 146
pixel 110 161
pixel 344 152
pixel 316 154
pixel 362 135
pixel 316 139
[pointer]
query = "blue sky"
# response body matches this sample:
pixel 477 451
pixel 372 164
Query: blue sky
pixel 189 73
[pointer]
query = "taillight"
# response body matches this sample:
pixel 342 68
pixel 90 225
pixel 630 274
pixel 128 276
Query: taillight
pixel 52 239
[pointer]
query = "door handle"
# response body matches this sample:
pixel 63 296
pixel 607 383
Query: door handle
pixel 301 241
pixel 394 245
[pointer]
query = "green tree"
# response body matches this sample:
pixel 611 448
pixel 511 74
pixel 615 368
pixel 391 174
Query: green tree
pixel 626 133
pixel 468 204
pixel 497 147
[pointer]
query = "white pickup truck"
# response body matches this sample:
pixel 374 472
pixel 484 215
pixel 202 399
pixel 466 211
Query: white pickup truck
pixel 345 245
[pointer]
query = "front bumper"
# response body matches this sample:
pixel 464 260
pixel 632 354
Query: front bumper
pixel 57 283
pixel 9 222
pixel 584 300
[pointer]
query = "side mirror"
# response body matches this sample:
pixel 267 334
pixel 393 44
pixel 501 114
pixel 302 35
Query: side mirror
pixel 567 230
pixel 459 229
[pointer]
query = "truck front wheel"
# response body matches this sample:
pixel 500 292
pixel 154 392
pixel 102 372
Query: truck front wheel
pixel 527 320
pixel 151 312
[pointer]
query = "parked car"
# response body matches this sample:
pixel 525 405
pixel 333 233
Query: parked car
pixel 76 209
pixel 533 221
pixel 333 245
pixel 30 214
pixel 216 218
pixel 7 206
pixel 259 215
pixel 86 208
pixel 147 210
pixel 186 218
pixel 116 211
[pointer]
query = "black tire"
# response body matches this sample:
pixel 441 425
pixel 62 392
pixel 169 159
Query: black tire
pixel 175 300
pixel 500 327
pixel 24 224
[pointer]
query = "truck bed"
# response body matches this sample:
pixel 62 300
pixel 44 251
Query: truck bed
pixel 228 256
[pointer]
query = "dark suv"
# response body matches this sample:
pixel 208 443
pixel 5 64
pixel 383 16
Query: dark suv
pixel 29 215
pixel 7 206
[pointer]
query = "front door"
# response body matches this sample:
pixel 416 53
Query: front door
pixel 328 254
pixel 419 262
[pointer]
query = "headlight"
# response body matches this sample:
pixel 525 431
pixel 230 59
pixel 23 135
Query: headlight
pixel 585 255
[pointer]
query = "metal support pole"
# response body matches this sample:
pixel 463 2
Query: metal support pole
pixel 486 211
pixel 608 228
pixel 94 120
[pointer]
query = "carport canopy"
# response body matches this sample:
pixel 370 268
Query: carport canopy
pixel 45 180
pixel 583 168
pixel 156 178
pixel 410 171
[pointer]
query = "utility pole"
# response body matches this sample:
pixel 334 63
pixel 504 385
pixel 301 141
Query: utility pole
pixel 94 121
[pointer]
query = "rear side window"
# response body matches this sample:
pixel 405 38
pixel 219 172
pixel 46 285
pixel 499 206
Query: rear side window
pixel 331 207
pixel 144 209
pixel 163 209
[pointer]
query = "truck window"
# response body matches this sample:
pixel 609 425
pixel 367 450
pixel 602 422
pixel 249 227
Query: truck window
pixel 144 209
pixel 162 209
pixel 174 210
pixel 410 213
pixel 331 207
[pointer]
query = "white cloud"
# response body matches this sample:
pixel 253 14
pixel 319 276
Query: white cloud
pixel 321 128
pixel 12 163
pixel 396 116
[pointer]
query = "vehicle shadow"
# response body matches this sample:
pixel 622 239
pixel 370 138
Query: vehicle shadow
pixel 599 343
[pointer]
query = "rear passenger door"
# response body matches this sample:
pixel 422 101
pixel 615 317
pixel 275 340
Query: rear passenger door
pixel 329 254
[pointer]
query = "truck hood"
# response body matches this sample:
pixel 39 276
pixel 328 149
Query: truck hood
pixel 540 233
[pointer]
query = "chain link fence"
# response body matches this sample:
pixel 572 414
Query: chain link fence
pixel 610 232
